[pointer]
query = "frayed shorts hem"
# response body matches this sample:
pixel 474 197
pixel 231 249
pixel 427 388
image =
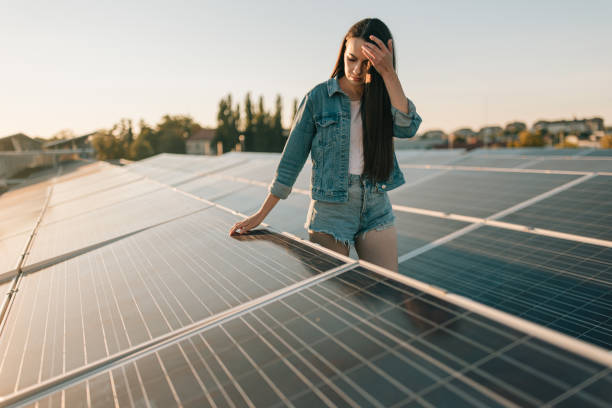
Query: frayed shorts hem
pixel 347 242
pixel 360 235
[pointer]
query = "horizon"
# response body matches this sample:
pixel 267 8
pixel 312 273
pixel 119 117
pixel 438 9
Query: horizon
pixel 84 67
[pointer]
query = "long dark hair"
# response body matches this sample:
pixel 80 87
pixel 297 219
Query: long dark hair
pixel 375 104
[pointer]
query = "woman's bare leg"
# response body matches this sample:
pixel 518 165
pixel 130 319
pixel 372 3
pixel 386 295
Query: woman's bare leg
pixel 329 242
pixel 379 247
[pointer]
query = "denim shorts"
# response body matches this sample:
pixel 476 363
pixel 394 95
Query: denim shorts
pixel 367 208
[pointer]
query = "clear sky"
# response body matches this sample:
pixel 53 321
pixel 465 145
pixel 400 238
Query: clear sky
pixel 83 65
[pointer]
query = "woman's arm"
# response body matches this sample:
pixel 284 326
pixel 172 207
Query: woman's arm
pixel 244 226
pixel 381 58
pixel 406 120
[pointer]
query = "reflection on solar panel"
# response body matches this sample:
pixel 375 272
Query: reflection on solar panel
pixel 133 294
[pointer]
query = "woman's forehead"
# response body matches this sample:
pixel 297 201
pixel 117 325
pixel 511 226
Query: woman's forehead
pixel 353 45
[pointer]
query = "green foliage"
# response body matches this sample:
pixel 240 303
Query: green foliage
pixel 528 139
pixel 107 146
pixel 140 149
pixel 263 132
pixel 228 120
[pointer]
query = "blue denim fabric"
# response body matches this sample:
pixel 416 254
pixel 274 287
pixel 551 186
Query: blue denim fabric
pixel 367 208
pixel 322 128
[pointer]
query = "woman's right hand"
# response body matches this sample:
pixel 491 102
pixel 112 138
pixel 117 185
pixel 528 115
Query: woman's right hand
pixel 244 226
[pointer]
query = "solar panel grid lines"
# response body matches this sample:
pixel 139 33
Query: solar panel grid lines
pixel 437 214
pixel 286 268
pixel 492 169
pixel 556 283
pixel 409 358
pixel 436 243
pixel 504 225
pixel 589 351
pixel 585 209
pixel 540 197
pixel 149 347
pixel 107 223
pixel 548 233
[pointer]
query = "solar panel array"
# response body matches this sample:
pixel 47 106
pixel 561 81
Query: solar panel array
pixel 124 288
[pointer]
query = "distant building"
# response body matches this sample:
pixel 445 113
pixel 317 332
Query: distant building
pixel 574 127
pixel 19 143
pixel 201 142
pixel 490 133
pixel 74 143
pixel 434 134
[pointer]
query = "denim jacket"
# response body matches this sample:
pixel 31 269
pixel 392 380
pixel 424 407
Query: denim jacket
pixel 322 127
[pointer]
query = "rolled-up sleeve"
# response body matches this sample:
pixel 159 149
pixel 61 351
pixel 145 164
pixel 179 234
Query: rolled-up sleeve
pixel 296 150
pixel 405 125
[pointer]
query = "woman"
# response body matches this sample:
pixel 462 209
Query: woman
pixel 347 124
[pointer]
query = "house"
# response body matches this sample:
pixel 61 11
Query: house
pixel 573 127
pixel 19 143
pixel 73 143
pixel 201 142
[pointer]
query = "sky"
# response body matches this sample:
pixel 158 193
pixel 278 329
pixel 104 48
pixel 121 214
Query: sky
pixel 83 65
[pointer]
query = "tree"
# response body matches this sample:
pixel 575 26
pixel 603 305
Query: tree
pixel 227 124
pixel 173 132
pixel 278 139
pixel 63 134
pixel 249 124
pixel 528 139
pixel 140 149
pixel 295 108
pixel 122 131
pixel 107 146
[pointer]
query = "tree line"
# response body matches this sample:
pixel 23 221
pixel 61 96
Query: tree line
pixel 262 130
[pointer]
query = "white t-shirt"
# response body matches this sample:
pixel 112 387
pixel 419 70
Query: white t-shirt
pixel 356 152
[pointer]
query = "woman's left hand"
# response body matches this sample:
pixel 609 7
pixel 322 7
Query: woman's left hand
pixel 379 55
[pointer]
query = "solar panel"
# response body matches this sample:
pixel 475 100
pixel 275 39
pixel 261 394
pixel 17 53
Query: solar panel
pixel 139 288
pixel 211 187
pixel 73 234
pixel 354 340
pixel 600 153
pixel 560 284
pixel 584 209
pixel 18 224
pixel 11 249
pixel 144 286
pixel 415 230
pixel 574 165
pixel 428 157
pixel 493 161
pixel 89 184
pixel 476 193
pixel 98 199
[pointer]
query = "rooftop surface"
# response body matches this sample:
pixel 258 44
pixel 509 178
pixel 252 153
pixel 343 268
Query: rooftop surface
pixel 123 287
